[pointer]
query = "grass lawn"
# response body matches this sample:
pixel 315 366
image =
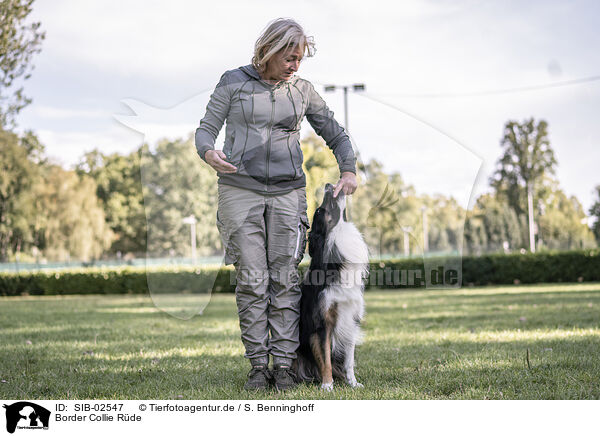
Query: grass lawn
pixel 470 343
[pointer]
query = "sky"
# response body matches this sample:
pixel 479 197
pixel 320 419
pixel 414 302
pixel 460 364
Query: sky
pixel 442 78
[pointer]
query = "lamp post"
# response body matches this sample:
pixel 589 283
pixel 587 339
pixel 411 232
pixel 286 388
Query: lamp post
pixel 191 220
pixel 530 216
pixel 425 230
pixel 356 87
pixel 406 231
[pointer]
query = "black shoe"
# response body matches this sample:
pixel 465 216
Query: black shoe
pixel 258 378
pixel 285 378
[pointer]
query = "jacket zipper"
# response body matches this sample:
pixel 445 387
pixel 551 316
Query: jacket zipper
pixel 270 133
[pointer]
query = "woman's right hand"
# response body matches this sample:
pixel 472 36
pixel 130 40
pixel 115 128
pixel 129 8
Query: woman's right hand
pixel 216 159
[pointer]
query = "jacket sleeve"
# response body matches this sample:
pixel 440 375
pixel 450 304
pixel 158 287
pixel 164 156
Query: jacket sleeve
pixel 321 119
pixel 216 113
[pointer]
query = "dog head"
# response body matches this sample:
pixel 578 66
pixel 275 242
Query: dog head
pixel 332 209
pixel 327 216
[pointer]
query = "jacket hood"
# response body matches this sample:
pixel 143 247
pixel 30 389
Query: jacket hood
pixel 251 71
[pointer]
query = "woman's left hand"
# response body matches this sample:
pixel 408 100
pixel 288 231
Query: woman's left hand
pixel 347 184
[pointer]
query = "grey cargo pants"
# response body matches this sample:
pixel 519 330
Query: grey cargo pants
pixel 265 237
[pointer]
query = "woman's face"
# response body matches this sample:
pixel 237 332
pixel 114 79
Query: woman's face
pixel 284 64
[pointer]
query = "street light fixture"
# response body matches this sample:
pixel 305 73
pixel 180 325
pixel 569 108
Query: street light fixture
pixel 191 220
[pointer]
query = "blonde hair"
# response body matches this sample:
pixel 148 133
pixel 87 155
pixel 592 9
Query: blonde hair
pixel 282 33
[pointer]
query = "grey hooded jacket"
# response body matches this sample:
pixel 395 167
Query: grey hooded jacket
pixel 262 136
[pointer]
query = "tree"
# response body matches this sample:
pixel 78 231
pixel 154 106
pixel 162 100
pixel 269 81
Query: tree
pixel 17 178
pixel 34 148
pixel 503 227
pixel 18 43
pixel 526 159
pixel 120 193
pixel 176 183
pixel 595 214
pixel 70 217
pixel 475 236
pixel 562 222
pixel 384 209
pixel 388 212
pixel 446 223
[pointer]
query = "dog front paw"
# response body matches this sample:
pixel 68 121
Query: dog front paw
pixel 354 384
pixel 327 386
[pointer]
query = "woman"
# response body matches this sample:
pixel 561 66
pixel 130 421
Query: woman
pixel 262 200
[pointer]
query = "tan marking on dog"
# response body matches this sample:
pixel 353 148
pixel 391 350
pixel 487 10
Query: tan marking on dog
pixel 317 350
pixel 330 320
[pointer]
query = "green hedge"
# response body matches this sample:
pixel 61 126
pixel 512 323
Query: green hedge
pixel 119 280
pixel 546 267
pixel 502 269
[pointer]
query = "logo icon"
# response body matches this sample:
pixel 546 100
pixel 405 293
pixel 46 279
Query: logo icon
pixel 26 415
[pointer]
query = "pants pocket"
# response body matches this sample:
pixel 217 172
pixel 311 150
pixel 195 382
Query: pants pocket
pixel 231 255
pixel 301 239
